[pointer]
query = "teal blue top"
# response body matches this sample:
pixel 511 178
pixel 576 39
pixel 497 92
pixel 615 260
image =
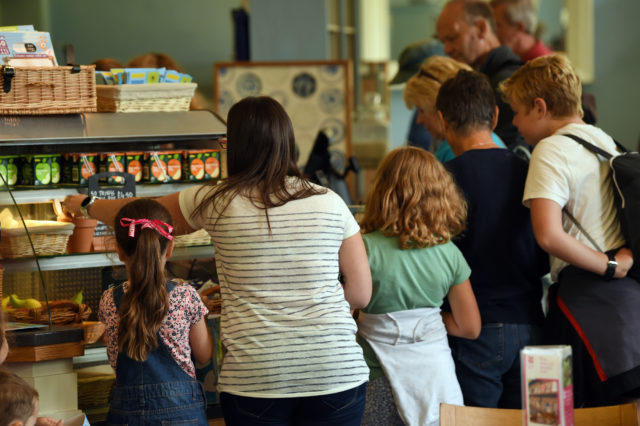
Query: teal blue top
pixel 444 152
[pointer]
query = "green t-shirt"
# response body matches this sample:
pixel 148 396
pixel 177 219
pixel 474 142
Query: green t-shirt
pixel 408 279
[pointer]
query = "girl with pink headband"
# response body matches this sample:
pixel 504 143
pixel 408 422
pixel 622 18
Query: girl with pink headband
pixel 154 325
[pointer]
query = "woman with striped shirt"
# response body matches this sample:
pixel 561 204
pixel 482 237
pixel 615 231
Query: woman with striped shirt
pixel 291 356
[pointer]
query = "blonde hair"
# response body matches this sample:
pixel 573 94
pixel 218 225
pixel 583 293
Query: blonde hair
pixel 415 199
pixel 551 78
pixel 421 90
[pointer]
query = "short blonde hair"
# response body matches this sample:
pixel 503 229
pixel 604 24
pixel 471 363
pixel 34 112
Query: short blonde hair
pixel 415 199
pixel 421 90
pixel 550 78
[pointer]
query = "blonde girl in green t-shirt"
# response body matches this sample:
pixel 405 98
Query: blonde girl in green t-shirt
pixel 411 215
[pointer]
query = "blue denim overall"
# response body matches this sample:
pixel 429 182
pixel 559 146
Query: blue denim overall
pixel 156 391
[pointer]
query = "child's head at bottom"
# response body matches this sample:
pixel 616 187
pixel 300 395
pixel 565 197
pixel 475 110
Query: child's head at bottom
pixel 18 401
pixel 415 199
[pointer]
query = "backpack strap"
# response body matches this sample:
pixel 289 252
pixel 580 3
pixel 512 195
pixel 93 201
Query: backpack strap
pixel 591 147
pixel 597 151
pixel 581 229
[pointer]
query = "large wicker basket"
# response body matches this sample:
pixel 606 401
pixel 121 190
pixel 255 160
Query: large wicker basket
pixel 48 237
pixel 145 97
pixel 62 312
pixel 94 386
pixel 48 90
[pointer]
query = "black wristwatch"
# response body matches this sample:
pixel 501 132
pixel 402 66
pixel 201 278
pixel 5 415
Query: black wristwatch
pixel 612 264
pixel 85 204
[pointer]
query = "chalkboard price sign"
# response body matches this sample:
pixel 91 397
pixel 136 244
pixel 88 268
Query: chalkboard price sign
pixel 125 189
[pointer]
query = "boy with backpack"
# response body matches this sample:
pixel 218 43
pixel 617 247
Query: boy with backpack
pixel 593 303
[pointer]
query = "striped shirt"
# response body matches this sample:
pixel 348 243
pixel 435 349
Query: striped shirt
pixel 285 324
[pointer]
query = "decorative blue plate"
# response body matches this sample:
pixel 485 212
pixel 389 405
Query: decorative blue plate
pixel 304 85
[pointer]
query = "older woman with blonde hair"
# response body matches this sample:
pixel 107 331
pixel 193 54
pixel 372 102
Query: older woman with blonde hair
pixel 421 92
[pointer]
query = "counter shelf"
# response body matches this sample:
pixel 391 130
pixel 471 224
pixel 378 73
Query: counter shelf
pixel 93 260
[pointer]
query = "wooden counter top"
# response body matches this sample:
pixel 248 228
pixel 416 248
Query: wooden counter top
pixel 45 344
pixel 45 352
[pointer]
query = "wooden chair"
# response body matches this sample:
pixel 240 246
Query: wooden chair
pixel 614 415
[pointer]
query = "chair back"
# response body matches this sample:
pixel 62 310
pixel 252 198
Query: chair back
pixel 613 415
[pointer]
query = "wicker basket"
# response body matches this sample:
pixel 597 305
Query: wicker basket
pixel 1 276
pixel 48 237
pixel 62 312
pixel 212 300
pixel 93 331
pixel 198 238
pixel 145 97
pixel 94 386
pixel 49 90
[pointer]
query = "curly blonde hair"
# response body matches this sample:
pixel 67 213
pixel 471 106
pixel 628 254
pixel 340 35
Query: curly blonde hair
pixel 415 199
pixel 421 90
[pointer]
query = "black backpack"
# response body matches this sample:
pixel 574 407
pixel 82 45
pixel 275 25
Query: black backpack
pixel 625 181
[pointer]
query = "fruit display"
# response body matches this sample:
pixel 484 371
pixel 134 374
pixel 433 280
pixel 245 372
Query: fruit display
pixel 30 310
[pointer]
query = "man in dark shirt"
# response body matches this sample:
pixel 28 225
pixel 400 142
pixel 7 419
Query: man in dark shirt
pixel 506 263
pixel 468 31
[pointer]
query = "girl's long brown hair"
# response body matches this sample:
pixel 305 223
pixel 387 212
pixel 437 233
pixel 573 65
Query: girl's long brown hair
pixel 261 155
pixel 415 199
pixel 146 302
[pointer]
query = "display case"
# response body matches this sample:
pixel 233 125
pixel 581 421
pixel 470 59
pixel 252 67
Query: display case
pixel 63 275
pixel 100 133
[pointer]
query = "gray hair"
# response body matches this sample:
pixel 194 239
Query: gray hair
pixel 520 11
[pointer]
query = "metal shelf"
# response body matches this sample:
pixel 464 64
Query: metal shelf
pixel 96 129
pixel 33 195
pixel 93 260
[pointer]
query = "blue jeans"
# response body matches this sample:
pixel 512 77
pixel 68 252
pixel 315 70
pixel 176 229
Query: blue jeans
pixel 488 368
pixel 340 409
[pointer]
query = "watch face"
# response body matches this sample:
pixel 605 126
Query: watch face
pixel 86 202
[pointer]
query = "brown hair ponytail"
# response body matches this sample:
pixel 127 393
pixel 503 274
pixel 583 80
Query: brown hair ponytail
pixel 146 302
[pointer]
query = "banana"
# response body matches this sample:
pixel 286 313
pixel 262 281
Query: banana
pixel 77 298
pixel 32 304
pixel 15 301
pixel 5 302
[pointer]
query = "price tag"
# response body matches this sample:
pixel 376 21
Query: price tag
pixel 112 192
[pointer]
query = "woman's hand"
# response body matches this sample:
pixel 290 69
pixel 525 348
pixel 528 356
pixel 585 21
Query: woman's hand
pixel 624 257
pixel 71 205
